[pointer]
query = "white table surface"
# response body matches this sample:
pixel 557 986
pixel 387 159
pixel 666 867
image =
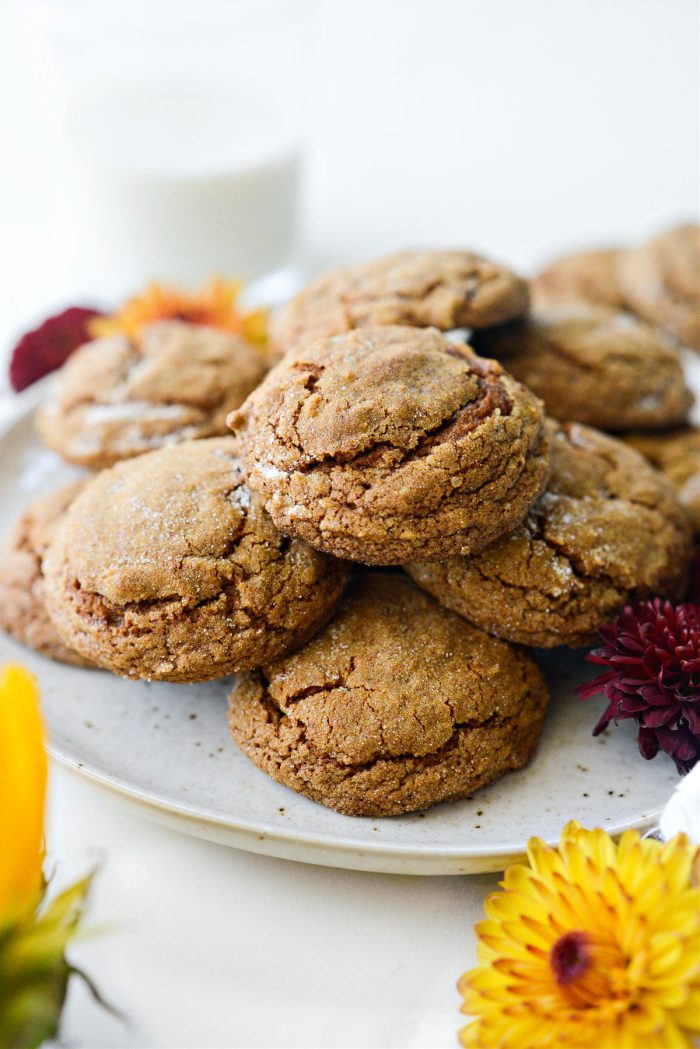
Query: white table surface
pixel 520 128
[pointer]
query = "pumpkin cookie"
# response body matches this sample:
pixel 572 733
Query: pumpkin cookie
pixel 661 282
pixel 396 706
pixel 588 276
pixel 117 397
pixel 22 606
pixel 608 530
pixel 440 289
pixel 677 456
pixel 389 443
pixel 594 365
pixel 167 567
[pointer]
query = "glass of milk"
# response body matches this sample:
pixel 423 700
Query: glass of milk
pixel 174 137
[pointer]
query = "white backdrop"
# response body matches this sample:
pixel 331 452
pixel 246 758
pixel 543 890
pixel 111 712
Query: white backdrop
pixel 517 127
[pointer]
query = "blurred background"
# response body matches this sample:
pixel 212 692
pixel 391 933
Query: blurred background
pixel 271 138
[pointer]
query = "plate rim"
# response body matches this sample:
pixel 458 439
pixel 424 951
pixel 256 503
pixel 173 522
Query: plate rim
pixel 158 805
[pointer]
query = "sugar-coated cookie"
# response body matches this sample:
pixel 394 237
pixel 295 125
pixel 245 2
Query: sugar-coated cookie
pixel 608 529
pixel 661 282
pixel 117 398
pixel 397 705
pixel 22 603
pixel 594 365
pixel 440 289
pixel 387 444
pixel 167 567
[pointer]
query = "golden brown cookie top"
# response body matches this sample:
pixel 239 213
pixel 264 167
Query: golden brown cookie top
pixel 594 365
pixel 610 515
pixel 607 529
pixel 395 675
pixel 388 387
pixel 162 526
pixel 372 442
pixel 590 276
pixel 441 289
pixel 167 566
pixel 117 397
pixel 661 282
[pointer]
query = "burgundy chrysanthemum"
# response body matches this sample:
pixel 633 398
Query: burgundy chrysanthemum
pixel 47 347
pixel 653 654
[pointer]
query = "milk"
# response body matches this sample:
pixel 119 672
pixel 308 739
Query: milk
pixel 177 180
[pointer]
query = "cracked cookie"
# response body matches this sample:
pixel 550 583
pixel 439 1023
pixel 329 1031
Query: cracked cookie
pixel 594 365
pixel 439 289
pixel 385 444
pixel 588 276
pixel 167 567
pixel 677 456
pixel 608 530
pixel 661 282
pixel 397 705
pixel 118 397
pixel 23 611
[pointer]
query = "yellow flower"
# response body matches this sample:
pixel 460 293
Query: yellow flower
pixel 22 792
pixel 594 944
pixel 34 971
pixel 214 304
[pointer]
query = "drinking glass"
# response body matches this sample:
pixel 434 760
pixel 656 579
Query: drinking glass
pixel 174 137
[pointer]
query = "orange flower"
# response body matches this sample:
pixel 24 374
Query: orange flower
pixel 214 305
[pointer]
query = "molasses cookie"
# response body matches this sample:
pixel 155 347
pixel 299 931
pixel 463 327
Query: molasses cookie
pixel 22 606
pixel 397 705
pixel 594 365
pixel 387 444
pixel 167 567
pixel 608 530
pixel 661 282
pixel 117 397
pixel 440 289
pixel 588 276
pixel 677 456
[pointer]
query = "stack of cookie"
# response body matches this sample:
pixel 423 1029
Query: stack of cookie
pixel 377 443
pixel 653 291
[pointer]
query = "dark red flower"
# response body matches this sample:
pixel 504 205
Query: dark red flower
pixel 653 654
pixel 47 347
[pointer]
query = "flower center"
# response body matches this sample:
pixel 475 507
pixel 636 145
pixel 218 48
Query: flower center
pixel 570 957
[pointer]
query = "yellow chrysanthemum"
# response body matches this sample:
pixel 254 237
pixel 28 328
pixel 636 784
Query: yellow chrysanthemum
pixel 34 971
pixel 22 792
pixel 594 944
pixel 214 304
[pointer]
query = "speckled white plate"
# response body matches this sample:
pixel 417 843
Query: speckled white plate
pixel 165 749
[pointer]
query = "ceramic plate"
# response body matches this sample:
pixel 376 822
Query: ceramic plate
pixel 165 748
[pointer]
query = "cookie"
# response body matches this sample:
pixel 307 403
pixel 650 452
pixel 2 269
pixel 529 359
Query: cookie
pixel 677 456
pixel 587 276
pixel 117 398
pixel 440 289
pixel 389 443
pixel 608 530
pixel 22 605
pixel 594 365
pixel 661 282
pixel 397 705
pixel 167 567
